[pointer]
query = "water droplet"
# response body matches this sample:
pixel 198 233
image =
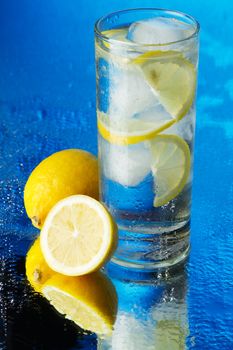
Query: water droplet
pixel 41 114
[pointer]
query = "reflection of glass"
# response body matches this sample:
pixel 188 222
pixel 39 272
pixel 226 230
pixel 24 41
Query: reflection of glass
pixel 146 63
pixel 90 301
pixel 171 317
pixel 151 315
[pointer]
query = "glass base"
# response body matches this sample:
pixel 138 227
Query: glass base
pixel 150 252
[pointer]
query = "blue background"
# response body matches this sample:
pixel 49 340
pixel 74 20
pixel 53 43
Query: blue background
pixel 47 103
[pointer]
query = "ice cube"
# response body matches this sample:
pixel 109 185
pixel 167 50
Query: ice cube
pixel 129 93
pixel 159 30
pixel 126 165
pixel 184 127
pixel 153 117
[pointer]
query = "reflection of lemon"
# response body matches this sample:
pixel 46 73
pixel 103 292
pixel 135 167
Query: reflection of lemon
pixel 37 270
pixel 62 174
pixel 172 77
pixel 170 335
pixel 90 301
pixel 78 236
pixel 170 166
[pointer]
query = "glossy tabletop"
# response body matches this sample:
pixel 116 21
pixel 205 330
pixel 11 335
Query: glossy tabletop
pixel 47 103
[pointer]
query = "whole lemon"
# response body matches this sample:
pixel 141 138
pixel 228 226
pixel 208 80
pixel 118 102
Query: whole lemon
pixel 37 270
pixel 65 173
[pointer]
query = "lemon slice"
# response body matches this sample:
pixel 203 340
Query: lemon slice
pixel 131 131
pixel 116 34
pixel 170 167
pixel 90 301
pixel 78 236
pixel 172 77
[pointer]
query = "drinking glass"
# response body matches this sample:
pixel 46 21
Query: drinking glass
pixel 146 72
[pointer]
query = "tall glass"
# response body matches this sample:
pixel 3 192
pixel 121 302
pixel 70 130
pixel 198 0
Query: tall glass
pixel 146 68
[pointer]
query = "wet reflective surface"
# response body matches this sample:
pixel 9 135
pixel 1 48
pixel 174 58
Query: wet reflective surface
pixel 48 103
pixel 152 311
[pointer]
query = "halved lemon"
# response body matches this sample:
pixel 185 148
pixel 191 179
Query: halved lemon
pixel 170 167
pixel 172 77
pixel 90 301
pixel 78 236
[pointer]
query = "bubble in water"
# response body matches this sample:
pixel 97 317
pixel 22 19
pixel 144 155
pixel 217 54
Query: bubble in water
pixel 41 114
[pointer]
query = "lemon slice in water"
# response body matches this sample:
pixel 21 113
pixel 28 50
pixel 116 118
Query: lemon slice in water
pixel 170 166
pixel 172 77
pixel 132 131
pixel 116 34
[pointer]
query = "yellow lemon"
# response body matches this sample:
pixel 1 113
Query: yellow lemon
pixel 65 173
pixel 37 270
pixel 90 301
pixel 78 236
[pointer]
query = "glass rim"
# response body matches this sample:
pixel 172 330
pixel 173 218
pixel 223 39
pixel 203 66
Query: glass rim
pixel 106 38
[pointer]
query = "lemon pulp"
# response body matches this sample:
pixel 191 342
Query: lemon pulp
pixel 78 236
pixel 172 77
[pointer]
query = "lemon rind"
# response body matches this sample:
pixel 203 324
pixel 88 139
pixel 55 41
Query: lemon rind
pixel 123 140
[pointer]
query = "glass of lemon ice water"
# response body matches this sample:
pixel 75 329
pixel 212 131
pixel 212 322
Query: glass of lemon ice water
pixel 146 68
